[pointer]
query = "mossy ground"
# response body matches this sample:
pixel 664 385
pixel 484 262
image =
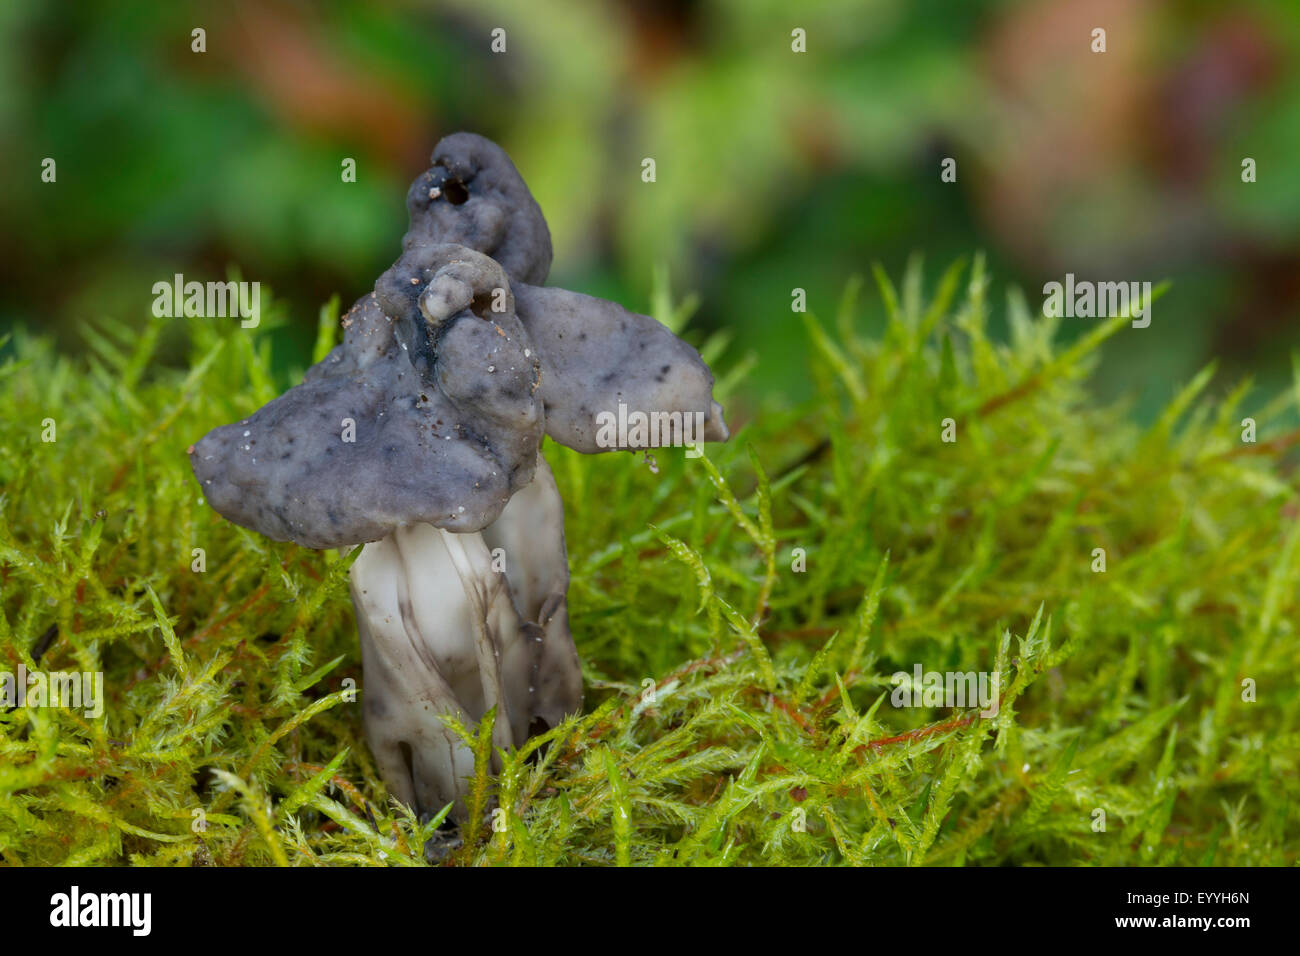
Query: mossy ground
pixel 229 738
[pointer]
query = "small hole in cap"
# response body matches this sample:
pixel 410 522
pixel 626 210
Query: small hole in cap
pixel 455 192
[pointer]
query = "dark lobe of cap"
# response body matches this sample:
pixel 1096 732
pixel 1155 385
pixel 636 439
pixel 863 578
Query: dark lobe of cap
pixel 474 196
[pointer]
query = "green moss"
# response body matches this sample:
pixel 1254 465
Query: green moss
pixel 229 735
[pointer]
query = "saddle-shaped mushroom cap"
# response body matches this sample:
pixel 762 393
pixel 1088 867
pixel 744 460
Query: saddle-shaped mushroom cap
pixel 427 413
pixel 595 354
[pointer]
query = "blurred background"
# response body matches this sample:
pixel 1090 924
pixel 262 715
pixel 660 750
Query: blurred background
pixel 775 169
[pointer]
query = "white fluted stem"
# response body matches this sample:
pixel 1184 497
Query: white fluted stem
pixel 457 624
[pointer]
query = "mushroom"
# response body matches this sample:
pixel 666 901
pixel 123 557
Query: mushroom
pixel 419 437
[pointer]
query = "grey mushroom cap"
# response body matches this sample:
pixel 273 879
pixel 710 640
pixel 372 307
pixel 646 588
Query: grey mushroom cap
pixel 440 399
pixel 473 196
pixel 596 356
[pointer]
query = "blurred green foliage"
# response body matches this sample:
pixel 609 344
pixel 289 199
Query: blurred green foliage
pixel 775 169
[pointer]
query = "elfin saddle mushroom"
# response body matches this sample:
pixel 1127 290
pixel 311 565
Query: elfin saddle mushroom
pixel 419 437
